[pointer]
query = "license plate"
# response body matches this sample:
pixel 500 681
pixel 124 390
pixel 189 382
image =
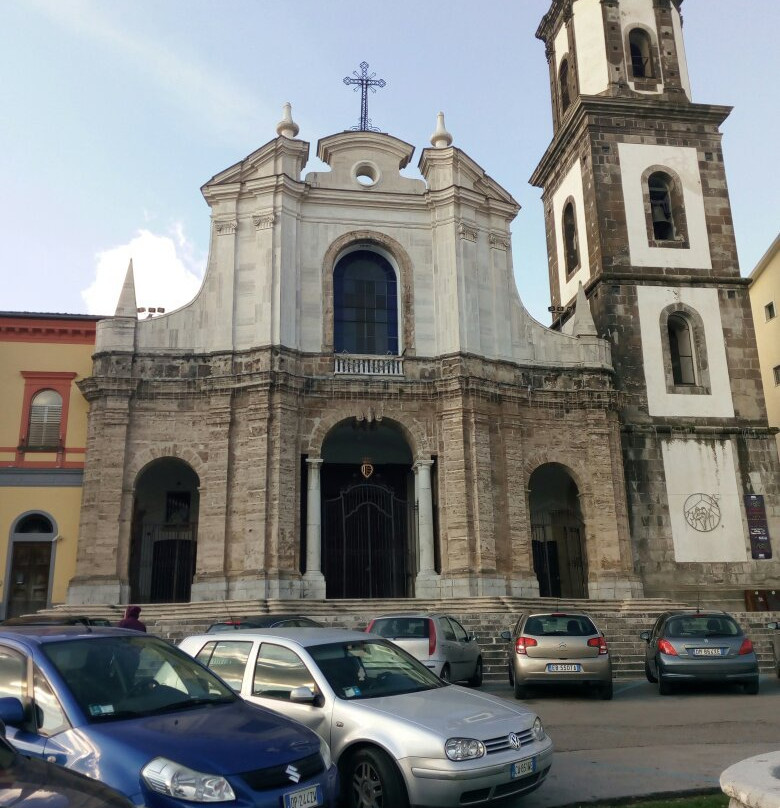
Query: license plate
pixel 523 767
pixel 561 667
pixel 305 798
pixel 707 651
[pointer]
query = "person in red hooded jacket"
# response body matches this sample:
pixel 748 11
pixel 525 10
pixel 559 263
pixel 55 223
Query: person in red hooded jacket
pixel 130 620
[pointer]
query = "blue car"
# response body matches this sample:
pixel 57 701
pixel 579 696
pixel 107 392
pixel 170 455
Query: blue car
pixel 137 714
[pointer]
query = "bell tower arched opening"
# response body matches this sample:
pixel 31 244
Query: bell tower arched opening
pixel 164 532
pixel 369 547
pixel 557 531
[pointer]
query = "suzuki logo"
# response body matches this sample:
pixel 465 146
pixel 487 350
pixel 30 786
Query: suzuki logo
pixel 514 741
pixel 561 646
pixel 293 773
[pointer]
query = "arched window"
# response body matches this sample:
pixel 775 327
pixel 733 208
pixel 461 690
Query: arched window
pixel 365 304
pixel 660 187
pixel 35 523
pixel 563 83
pixel 641 59
pixel 45 417
pixel 570 238
pixel 681 350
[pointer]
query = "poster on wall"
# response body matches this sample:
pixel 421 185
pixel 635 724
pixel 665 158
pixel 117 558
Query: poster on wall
pixel 758 528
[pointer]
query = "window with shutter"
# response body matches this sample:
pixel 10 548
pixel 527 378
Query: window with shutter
pixel 45 419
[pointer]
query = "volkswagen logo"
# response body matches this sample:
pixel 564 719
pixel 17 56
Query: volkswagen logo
pixel 514 741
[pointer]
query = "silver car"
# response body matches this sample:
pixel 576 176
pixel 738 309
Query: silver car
pixel 699 646
pixel 775 640
pixel 557 648
pixel 439 641
pixel 399 734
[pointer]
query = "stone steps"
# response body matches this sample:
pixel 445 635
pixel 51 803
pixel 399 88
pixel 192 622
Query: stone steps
pixel 621 621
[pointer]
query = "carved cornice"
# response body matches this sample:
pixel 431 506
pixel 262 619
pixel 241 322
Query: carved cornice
pixel 499 241
pixel 264 220
pixel 224 227
pixel 467 232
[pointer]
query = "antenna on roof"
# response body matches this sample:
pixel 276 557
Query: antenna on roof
pixel 230 616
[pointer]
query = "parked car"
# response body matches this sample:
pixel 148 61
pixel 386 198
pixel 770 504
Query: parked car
pixel 263 621
pixel 699 646
pixel 30 783
pixel 399 734
pixel 439 641
pixel 557 648
pixel 775 640
pixel 55 620
pixel 143 717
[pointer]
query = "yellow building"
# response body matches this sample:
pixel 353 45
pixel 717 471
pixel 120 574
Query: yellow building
pixel 765 302
pixel 43 431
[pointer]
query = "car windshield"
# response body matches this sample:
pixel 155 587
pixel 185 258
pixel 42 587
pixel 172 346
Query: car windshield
pixel 369 669
pixel 128 677
pixel 399 628
pixel 559 625
pixel 702 625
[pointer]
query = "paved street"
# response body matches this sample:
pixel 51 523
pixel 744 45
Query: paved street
pixel 642 743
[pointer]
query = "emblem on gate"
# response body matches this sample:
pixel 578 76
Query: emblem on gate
pixel 514 741
pixel 366 469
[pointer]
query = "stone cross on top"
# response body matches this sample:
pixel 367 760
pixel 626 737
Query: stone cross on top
pixel 366 83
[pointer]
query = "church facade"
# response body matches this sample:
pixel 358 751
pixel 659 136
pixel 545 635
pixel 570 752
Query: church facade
pixel 357 405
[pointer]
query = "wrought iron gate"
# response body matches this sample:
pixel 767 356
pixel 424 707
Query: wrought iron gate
pixel 558 554
pixel 368 543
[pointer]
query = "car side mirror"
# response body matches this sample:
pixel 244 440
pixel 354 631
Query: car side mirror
pixel 472 637
pixel 506 635
pixel 645 635
pixel 303 695
pixel 11 711
pixel 774 625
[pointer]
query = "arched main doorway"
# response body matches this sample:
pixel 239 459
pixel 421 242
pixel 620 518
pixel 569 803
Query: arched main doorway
pixel 557 531
pixel 30 564
pixel 368 538
pixel 164 532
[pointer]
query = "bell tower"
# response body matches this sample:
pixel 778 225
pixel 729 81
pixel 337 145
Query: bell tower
pixel 637 210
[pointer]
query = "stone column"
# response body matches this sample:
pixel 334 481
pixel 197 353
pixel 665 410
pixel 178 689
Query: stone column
pixel 428 582
pixel 313 579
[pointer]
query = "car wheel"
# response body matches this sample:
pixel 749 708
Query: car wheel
pixel 664 688
pixel 370 779
pixel 521 691
pixel 751 688
pixel 649 674
pixel 445 673
pixel 476 679
pixel 605 691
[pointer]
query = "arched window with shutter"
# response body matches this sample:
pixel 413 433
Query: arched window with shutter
pixel 641 54
pixel 570 242
pixel 43 429
pixel 681 350
pixel 563 83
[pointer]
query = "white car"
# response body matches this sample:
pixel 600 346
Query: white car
pixel 399 734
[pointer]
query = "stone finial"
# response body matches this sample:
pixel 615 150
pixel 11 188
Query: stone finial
pixel 441 138
pixel 127 306
pixel 583 325
pixel 287 126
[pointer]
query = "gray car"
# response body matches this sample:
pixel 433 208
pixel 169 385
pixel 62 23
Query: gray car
pixel 439 641
pixel 399 734
pixel 775 640
pixel 699 646
pixel 557 648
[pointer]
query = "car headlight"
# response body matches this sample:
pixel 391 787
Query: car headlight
pixel 538 729
pixel 325 753
pixel 464 748
pixel 166 777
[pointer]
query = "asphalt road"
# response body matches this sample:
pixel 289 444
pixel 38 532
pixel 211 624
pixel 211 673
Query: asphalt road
pixel 642 744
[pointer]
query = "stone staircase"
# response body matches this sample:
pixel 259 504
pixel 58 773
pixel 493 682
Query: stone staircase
pixel 487 617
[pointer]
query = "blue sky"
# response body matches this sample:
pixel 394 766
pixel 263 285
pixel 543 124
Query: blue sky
pixel 115 113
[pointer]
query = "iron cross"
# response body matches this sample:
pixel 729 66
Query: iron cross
pixel 366 83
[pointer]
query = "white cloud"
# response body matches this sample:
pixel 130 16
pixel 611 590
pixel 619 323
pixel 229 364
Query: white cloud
pixel 167 272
